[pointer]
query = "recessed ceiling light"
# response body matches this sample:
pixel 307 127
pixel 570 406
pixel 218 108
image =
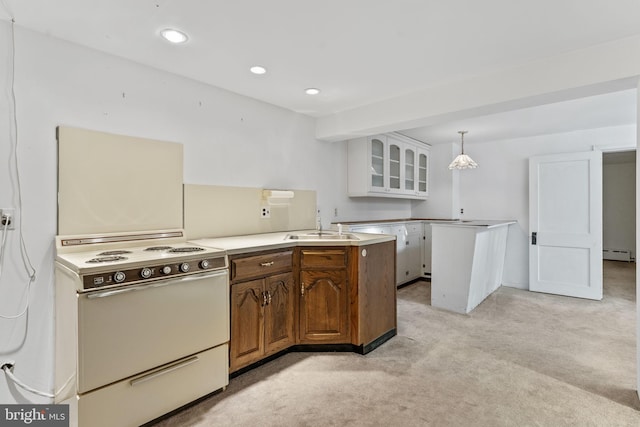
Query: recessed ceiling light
pixel 312 91
pixel 174 36
pixel 257 69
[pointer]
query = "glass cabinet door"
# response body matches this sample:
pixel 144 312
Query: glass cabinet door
pixel 409 169
pixel 422 173
pixel 394 167
pixel 377 163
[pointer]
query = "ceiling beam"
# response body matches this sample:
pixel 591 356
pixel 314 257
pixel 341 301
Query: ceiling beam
pixel 599 69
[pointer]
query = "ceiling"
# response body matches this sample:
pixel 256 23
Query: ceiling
pixel 355 51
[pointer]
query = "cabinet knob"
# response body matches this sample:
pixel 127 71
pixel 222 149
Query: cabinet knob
pixel 264 299
pixel 268 297
pixel 302 289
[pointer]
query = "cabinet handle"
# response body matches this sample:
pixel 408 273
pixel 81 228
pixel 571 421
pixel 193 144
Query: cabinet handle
pixel 266 264
pixel 268 297
pixel 166 370
pixel 302 289
pixel 264 299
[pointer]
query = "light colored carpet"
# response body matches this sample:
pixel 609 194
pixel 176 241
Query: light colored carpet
pixel 519 359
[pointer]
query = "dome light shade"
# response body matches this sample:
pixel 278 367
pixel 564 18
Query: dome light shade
pixel 462 161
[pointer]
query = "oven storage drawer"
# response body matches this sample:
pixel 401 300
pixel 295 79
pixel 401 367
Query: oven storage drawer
pixel 141 398
pixel 126 331
pixel 253 267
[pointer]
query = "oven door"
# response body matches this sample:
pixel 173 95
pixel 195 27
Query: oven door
pixel 126 331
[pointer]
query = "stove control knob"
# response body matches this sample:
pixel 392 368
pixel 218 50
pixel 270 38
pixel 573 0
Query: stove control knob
pixel 145 273
pixel 204 264
pixel 184 267
pixel 166 269
pixel 119 277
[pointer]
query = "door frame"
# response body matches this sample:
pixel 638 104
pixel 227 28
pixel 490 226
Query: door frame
pixel 637 149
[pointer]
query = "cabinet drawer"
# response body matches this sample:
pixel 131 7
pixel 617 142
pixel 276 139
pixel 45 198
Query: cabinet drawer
pixel 261 265
pixel 336 258
pixel 414 228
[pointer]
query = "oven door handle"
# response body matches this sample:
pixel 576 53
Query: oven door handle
pixel 159 284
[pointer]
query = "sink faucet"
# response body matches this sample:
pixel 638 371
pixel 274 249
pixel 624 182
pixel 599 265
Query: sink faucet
pixel 319 225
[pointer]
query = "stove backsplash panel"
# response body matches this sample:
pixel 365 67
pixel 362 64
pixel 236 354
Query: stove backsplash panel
pixel 220 211
pixel 115 183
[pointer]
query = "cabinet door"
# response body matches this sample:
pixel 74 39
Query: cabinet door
pixel 279 312
pixel 426 250
pixel 247 325
pixel 423 173
pixel 324 306
pixel 408 251
pixel 410 170
pixel 402 261
pixel 413 254
pixel 378 164
pixel 395 161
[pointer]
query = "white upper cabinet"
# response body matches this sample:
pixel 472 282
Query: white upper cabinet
pixel 390 165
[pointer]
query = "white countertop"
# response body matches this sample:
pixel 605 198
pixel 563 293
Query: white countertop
pixel 260 242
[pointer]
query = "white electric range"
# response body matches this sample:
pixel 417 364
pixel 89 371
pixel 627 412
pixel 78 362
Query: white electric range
pixel 142 325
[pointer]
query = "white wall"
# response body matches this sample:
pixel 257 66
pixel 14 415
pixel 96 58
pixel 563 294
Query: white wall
pixel 499 187
pixel 619 209
pixel 444 186
pixel 228 140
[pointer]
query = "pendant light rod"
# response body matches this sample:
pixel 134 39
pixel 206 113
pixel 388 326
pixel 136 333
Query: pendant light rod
pixel 462 132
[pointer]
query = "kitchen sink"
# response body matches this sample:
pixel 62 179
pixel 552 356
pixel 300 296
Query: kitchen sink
pixel 322 235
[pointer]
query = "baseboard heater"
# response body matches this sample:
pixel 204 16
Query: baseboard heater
pixel 617 254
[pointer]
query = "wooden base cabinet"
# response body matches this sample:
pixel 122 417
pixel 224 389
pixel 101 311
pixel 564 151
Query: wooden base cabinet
pixel 262 309
pixel 332 296
pixel 324 296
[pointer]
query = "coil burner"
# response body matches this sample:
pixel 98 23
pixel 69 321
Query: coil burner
pixel 186 249
pixel 107 259
pixel 107 253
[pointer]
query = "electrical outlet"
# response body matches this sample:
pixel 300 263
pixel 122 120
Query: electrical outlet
pixel 335 212
pixel 265 212
pixel 461 211
pixel 8 218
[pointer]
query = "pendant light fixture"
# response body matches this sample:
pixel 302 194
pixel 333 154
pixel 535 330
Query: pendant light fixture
pixel 462 161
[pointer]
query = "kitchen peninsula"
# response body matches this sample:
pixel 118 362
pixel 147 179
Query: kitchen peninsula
pixel 304 289
pixel 467 262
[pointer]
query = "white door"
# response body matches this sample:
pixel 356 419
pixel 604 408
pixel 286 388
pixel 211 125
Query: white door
pixel 565 224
